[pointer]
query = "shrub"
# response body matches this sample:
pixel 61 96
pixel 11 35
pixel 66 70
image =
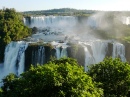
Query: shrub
pixel 114 76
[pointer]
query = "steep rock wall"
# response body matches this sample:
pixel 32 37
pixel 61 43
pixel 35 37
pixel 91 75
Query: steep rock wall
pixel 38 54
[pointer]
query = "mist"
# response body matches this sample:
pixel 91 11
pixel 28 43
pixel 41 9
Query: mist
pixel 101 25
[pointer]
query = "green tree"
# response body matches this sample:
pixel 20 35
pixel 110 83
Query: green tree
pixel 114 76
pixel 53 79
pixel 11 28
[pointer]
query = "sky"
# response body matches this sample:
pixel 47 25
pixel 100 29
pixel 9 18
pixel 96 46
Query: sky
pixel 32 5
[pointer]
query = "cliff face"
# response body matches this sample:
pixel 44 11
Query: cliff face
pixel 77 52
pixel 109 50
pixel 2 50
pixel 127 51
pixel 41 54
pixel 38 54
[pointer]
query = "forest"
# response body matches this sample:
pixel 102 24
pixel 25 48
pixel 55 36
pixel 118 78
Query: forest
pixel 61 12
pixel 68 12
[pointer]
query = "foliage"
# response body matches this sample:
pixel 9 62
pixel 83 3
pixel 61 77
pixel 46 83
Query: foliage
pixel 61 12
pixel 54 79
pixel 1 92
pixel 64 61
pixel 11 27
pixel 127 39
pixel 114 76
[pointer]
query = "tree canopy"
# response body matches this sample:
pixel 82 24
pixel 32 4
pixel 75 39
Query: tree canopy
pixel 54 79
pixel 61 12
pixel 114 76
pixel 12 27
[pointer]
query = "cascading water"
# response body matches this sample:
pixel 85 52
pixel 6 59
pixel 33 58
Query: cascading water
pixel 38 56
pixel 14 59
pixel 21 57
pixel 41 55
pixel 119 51
pixel 99 49
pixel 50 21
pixel 88 58
pixel 58 52
pixel 95 52
pixel 125 20
pixel 64 52
pixel 61 51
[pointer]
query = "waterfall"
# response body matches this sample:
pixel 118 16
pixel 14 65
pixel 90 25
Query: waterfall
pixel 21 57
pixel 64 52
pixel 88 58
pixel 95 52
pixel 119 51
pixel 14 59
pixel 61 51
pixel 58 54
pixel 50 21
pixel 41 55
pixel 38 56
pixel 125 20
pixel 99 50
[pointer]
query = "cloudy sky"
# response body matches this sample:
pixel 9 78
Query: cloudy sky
pixel 26 5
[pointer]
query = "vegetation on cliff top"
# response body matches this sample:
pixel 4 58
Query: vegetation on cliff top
pixel 12 27
pixel 61 12
pixel 114 76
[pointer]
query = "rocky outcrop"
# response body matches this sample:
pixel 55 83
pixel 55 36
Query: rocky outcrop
pixel 127 51
pixel 38 54
pixel 109 50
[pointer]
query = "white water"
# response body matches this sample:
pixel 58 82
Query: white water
pixel 126 20
pixel 95 51
pixel 61 49
pixel 51 21
pixel 97 48
pixel 61 52
pixel 14 58
pixel 88 58
pixel 38 56
pixel 119 51
pixel 58 53
pixel 21 57
pixel 41 55
pixel 64 52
